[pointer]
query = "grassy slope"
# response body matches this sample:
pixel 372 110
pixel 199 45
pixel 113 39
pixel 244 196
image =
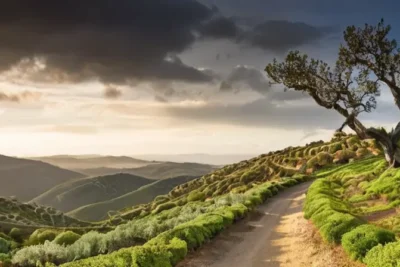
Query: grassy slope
pixel 145 194
pixel 357 207
pixel 157 171
pixel 16 174
pixel 74 194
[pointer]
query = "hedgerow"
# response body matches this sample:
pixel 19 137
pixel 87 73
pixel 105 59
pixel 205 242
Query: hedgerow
pixel 384 255
pixel 66 238
pixel 363 238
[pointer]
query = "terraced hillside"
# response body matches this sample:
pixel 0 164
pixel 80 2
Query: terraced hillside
pixel 16 214
pixel 77 193
pixel 16 174
pixel 161 232
pixel 101 210
pixel 240 177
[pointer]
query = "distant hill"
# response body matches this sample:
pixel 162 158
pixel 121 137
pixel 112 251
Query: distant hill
pixel 212 159
pixel 157 171
pixel 145 194
pixel 26 179
pixel 74 194
pixel 93 161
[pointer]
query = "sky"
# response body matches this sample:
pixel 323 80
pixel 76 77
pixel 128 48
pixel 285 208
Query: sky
pixel 135 77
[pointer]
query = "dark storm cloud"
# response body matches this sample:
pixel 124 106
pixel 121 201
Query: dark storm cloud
pixel 220 27
pixel 280 35
pixel 112 92
pixel 112 40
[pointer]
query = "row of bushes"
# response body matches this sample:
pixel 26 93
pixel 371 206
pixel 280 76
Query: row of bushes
pixel 133 233
pixel 332 216
pixel 167 249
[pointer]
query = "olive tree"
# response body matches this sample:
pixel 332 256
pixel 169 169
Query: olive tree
pixel 339 88
pixel 370 49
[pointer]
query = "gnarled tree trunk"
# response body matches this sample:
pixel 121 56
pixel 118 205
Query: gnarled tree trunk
pixel 389 143
pixel 355 125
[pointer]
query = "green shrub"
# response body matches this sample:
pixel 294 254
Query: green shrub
pixel 312 163
pixel 4 245
pixel 351 141
pixel 5 260
pixel 66 238
pixel 40 236
pixel 324 158
pixel 360 240
pixel 17 234
pixel 384 256
pixel 313 151
pixel 6 237
pixel 337 225
pixel 196 196
pixel 335 147
pixel 165 206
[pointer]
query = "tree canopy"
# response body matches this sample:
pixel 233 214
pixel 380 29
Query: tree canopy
pixel 338 88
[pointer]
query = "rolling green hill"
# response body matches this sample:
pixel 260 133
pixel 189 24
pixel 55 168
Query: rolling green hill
pixel 74 194
pixel 26 179
pixel 145 194
pixel 156 171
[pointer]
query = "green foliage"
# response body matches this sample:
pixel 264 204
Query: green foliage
pixel 39 236
pixel 335 147
pixel 321 201
pixel 248 176
pixel 66 238
pixel 196 196
pixel 337 225
pixel 4 245
pixel 384 256
pixel 324 158
pixel 360 240
pixel 17 234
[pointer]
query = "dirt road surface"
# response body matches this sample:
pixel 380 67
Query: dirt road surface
pixel 275 235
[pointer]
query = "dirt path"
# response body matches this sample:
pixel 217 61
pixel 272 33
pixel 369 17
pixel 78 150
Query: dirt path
pixel 275 235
